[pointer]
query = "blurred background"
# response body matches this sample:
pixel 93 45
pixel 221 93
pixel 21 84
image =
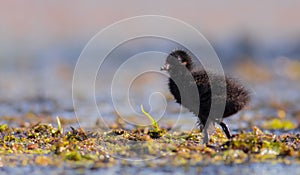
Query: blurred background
pixel 258 42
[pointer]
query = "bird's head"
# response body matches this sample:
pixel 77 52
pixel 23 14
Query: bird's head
pixel 176 59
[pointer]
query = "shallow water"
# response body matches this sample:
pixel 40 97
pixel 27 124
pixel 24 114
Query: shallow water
pixel 246 169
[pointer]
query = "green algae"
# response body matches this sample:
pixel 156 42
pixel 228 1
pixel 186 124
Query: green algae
pixel 277 123
pixel 44 145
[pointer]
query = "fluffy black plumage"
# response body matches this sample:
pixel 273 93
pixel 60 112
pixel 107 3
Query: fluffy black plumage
pixel 192 89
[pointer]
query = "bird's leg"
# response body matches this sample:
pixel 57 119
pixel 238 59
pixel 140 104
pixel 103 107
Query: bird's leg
pixel 200 125
pixel 225 129
pixel 205 136
pixel 204 131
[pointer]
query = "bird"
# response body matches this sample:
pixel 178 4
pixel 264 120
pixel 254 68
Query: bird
pixel 191 88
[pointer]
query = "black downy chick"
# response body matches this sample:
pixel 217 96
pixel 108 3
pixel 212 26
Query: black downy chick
pixel 184 80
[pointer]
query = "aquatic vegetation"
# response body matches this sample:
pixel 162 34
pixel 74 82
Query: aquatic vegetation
pixel 154 123
pixel 156 132
pixel 45 145
pixel 59 125
pixel 277 123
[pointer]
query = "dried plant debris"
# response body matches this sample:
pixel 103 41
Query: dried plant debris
pixel 45 145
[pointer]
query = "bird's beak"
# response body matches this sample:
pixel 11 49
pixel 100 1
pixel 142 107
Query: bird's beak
pixel 165 67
